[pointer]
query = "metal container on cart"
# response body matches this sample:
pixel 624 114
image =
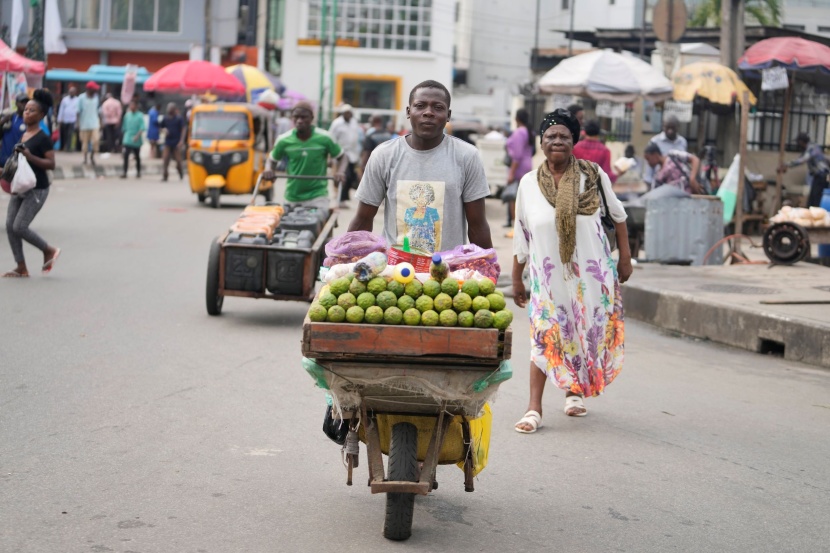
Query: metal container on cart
pixel 682 230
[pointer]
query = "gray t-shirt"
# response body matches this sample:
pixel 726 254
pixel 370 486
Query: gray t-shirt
pixel 425 191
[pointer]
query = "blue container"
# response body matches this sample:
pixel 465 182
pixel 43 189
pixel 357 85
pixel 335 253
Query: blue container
pixel 824 249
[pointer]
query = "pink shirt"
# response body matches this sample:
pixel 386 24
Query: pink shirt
pixel 111 110
pixel 596 151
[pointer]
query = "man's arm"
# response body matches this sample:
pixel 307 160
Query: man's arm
pixel 478 229
pixel 364 218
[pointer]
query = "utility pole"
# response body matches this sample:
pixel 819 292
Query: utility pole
pixel 331 63
pixel 643 31
pixel 323 37
pixel 535 57
pixel 571 35
pixel 34 49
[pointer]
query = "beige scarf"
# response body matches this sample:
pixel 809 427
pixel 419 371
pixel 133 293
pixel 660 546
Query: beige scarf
pixel 568 202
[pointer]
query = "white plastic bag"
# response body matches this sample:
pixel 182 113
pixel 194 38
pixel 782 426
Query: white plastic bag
pixel 24 179
pixel 728 191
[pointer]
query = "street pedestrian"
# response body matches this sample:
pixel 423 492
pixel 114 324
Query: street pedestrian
pixel 174 124
pixel 521 147
pixel 284 123
pixel 575 307
pixel 818 168
pixel 68 119
pixel 111 111
pixel 591 148
pixel 12 128
pixel 36 146
pixel 307 149
pixel 346 131
pixel 578 113
pixel 675 168
pixel 433 184
pixel 668 141
pixel 375 136
pixel 89 123
pixel 133 127
pixel 153 132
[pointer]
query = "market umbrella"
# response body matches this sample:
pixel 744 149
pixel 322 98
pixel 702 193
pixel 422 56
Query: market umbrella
pixel 289 99
pixel 710 81
pixel 12 62
pixel 256 82
pixel 606 75
pixel 195 77
pixel 810 60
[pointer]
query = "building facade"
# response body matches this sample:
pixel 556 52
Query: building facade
pixel 383 50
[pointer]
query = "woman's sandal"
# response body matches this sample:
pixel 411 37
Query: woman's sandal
pixel 532 418
pixel 49 265
pixel 15 274
pixel 574 406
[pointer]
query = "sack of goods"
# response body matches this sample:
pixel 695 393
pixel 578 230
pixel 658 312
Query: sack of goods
pixel 373 292
pixel 806 217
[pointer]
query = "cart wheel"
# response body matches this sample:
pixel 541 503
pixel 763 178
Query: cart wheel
pixel 214 194
pixel 213 298
pixel 201 196
pixel 269 194
pixel 403 466
pixel 786 243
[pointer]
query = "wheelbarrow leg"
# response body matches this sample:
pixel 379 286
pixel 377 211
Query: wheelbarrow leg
pixel 376 471
pixel 469 485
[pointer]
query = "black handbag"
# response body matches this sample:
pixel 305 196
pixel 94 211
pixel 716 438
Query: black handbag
pixel 607 222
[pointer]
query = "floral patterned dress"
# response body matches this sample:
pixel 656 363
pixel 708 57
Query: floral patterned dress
pixel 576 322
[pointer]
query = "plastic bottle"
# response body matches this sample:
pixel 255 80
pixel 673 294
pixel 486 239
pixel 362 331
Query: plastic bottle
pixel 824 249
pixel 404 273
pixel 370 266
pixel 438 270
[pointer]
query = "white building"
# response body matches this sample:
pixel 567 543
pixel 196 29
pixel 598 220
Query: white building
pixel 386 49
pixel 810 16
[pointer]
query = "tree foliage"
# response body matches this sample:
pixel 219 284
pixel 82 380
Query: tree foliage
pixel 765 12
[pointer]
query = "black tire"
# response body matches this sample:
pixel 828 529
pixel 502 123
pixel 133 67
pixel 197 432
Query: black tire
pixel 201 196
pixel 403 466
pixel 213 195
pixel 269 194
pixel 213 300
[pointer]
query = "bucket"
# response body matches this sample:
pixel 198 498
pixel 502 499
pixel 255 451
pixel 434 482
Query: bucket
pixel 419 260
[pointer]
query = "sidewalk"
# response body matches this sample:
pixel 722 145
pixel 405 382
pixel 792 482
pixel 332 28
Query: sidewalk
pixel 69 165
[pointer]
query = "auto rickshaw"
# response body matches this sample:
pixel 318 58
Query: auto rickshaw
pixel 227 150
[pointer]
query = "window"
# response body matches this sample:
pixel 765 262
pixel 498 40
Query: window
pixel 146 15
pixel 379 24
pixel 370 93
pixel 566 4
pixel 220 125
pixel 823 29
pixel 81 14
pixel 794 27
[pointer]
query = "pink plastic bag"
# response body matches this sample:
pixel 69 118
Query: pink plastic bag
pixel 470 256
pixel 352 247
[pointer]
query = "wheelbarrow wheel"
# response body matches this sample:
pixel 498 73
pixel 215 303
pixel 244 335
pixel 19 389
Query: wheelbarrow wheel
pixel 403 466
pixel 213 298
pixel 213 195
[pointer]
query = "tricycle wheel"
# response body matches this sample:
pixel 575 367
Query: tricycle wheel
pixel 201 196
pixel 213 298
pixel 214 194
pixel 403 466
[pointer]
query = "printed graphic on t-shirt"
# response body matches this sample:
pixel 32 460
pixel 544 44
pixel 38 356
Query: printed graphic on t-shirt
pixel 420 212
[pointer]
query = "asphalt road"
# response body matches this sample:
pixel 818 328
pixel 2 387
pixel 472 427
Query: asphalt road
pixel 130 421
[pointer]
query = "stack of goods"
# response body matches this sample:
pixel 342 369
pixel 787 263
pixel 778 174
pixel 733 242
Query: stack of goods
pixel 256 222
pixel 375 293
pixel 806 217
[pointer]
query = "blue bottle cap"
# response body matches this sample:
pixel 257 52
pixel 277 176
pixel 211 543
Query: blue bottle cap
pixel 405 272
pixel 436 259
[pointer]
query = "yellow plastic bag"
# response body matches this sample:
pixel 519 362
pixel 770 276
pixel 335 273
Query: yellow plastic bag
pixel 452 451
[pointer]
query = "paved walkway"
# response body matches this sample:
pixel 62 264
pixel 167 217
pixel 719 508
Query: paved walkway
pixel 70 165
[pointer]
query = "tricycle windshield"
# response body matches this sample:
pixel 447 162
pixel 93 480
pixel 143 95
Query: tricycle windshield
pixel 220 125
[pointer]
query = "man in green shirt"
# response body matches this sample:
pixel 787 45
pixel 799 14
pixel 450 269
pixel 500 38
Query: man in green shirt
pixel 132 128
pixel 307 149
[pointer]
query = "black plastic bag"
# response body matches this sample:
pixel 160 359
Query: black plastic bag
pixel 335 429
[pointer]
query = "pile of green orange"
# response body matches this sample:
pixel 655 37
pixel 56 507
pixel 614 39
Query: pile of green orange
pixel 475 303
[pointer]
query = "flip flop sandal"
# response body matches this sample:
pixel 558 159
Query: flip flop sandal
pixel 533 418
pixel 49 265
pixel 14 274
pixel 574 406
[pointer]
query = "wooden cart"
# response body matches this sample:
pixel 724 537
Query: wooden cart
pixel 220 250
pixel 786 243
pixel 364 358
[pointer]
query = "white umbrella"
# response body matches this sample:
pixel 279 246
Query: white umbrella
pixel 606 75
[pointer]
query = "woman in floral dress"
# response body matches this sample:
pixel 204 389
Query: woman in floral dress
pixel 575 308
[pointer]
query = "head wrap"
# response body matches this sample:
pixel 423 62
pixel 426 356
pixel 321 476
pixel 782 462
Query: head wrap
pixel 561 117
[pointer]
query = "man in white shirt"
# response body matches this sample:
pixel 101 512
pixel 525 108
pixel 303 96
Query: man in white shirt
pixel 345 131
pixel 68 118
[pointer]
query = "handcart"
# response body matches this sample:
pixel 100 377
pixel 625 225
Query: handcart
pixel 264 270
pixel 413 393
pixel 786 242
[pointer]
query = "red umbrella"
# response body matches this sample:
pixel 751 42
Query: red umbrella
pixel 195 77
pixel 12 62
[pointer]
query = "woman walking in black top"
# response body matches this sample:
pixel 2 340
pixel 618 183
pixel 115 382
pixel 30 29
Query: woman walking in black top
pixel 37 148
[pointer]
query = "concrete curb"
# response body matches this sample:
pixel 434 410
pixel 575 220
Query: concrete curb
pixel 749 329
pixel 100 171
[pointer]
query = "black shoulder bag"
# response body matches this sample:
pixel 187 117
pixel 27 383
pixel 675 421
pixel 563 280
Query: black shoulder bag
pixel 608 224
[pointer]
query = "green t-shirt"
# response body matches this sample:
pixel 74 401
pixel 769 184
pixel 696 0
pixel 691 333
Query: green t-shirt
pixel 133 124
pixel 307 158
